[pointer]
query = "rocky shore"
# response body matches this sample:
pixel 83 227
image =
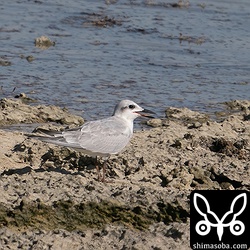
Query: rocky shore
pixel 51 198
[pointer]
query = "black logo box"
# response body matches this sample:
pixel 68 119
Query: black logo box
pixel 220 202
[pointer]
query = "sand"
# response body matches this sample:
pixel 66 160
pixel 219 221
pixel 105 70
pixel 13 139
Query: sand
pixel 51 198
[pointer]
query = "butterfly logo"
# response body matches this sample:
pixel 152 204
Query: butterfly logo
pixel 210 219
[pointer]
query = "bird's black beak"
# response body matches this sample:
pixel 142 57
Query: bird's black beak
pixel 146 113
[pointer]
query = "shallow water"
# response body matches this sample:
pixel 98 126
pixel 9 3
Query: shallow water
pixel 139 54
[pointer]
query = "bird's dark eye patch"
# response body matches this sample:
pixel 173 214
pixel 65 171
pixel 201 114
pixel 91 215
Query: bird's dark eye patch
pixel 131 106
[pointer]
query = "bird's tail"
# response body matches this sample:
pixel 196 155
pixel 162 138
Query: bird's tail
pixel 49 136
pixel 54 137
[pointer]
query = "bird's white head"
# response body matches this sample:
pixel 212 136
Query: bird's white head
pixel 129 110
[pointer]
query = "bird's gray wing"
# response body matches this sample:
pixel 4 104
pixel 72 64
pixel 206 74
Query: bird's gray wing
pixel 107 136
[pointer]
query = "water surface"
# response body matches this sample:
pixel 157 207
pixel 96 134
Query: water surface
pixel 152 52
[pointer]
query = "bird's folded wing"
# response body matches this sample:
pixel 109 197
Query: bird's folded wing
pixel 106 136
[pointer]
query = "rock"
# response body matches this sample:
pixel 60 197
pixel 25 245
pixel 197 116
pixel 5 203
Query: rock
pixel 43 42
pixel 30 58
pixel 154 123
pixel 238 105
pixel 50 196
pixel 186 115
pixel 13 111
pixel 4 62
pixel 194 125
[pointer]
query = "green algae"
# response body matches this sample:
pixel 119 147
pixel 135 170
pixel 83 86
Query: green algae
pixel 69 216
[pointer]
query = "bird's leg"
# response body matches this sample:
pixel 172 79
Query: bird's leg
pixel 97 170
pixel 100 177
pixel 104 171
pixel 98 173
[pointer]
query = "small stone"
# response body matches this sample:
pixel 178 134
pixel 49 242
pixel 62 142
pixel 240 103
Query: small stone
pixel 227 186
pixel 177 144
pixel 194 125
pixel 5 63
pixel 43 42
pixel 30 58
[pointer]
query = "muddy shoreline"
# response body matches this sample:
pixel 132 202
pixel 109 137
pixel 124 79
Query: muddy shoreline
pixel 51 198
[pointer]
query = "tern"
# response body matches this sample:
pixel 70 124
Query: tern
pixel 100 138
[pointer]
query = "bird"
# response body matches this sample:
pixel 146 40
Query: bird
pixel 100 138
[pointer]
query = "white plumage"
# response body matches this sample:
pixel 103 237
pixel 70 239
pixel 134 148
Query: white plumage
pixel 101 137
